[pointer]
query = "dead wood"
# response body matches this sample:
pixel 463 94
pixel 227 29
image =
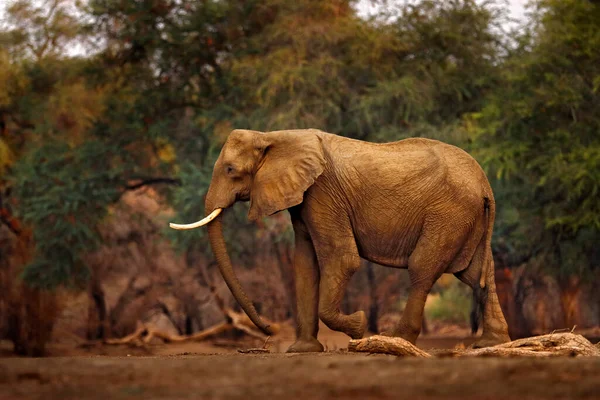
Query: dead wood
pixel 551 345
pixel 129 338
pixel 198 336
pixel 243 323
pixel 146 333
pixel 254 351
pixel 234 320
pixel 386 345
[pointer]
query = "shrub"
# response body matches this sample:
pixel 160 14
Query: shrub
pixel 452 304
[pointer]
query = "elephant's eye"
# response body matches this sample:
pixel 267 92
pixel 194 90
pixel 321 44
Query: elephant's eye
pixel 230 169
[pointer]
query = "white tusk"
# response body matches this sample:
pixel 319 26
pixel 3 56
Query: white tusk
pixel 204 221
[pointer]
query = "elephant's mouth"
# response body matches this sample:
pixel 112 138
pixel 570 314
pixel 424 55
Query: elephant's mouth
pixel 198 224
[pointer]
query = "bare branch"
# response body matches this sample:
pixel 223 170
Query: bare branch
pixel 10 222
pixel 152 181
pixel 7 219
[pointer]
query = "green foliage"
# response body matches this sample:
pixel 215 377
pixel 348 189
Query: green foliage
pixel 78 134
pixel 539 132
pixel 163 83
pixel 432 70
pixel 452 304
pixel 296 71
pixel 63 192
pixel 40 29
pixel 187 200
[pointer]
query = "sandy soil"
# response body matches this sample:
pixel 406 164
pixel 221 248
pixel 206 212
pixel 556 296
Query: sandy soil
pixel 321 376
pixel 217 371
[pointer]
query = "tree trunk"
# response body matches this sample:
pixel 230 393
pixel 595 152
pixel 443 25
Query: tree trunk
pixel 519 327
pixel 29 313
pixel 570 290
pixel 31 321
pixel 130 294
pixel 97 322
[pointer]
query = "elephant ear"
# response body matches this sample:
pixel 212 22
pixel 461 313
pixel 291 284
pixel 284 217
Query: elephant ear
pixel 291 162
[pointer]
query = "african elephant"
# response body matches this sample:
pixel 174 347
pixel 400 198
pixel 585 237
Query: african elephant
pixel 417 203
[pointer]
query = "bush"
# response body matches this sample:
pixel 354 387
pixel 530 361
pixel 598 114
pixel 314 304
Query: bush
pixel 451 305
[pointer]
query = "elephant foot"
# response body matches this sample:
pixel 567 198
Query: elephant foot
pixel 353 325
pixel 357 325
pixel 311 345
pixel 489 340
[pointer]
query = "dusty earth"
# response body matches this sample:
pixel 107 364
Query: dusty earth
pixel 217 371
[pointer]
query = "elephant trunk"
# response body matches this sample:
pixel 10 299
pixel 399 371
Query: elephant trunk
pixel 217 242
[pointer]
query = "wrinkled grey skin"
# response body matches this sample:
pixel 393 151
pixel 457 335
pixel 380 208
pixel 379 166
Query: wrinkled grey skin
pixel 417 203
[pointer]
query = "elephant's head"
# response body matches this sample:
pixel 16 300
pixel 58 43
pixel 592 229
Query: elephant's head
pixel 271 170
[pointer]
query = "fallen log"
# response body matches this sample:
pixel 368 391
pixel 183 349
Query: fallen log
pixel 551 345
pixel 386 345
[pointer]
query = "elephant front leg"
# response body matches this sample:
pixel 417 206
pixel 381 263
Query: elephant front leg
pixel 337 254
pixel 306 271
pixel 335 274
pixel 338 260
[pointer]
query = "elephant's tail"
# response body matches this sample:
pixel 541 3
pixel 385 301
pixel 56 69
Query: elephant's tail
pixel 476 310
pixel 487 269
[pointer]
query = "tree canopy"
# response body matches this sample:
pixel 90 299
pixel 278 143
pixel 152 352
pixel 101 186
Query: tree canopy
pixel 539 134
pixel 156 85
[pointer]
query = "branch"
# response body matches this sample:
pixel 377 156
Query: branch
pixel 551 345
pixel 386 345
pixel 152 181
pixel 19 122
pixel 234 320
pixel 11 222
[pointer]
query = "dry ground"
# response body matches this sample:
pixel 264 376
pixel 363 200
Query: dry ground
pixel 321 376
pixel 204 371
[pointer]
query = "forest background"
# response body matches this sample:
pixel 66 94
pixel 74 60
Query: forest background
pixel 100 148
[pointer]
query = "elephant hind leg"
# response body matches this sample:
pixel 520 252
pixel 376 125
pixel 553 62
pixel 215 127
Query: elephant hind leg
pixel 434 252
pixel 495 329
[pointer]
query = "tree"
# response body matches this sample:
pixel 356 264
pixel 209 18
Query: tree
pixel 435 62
pixel 538 133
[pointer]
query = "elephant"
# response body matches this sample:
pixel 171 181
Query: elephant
pixel 417 203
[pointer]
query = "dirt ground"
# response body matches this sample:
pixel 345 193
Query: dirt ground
pixel 216 370
pixel 321 376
